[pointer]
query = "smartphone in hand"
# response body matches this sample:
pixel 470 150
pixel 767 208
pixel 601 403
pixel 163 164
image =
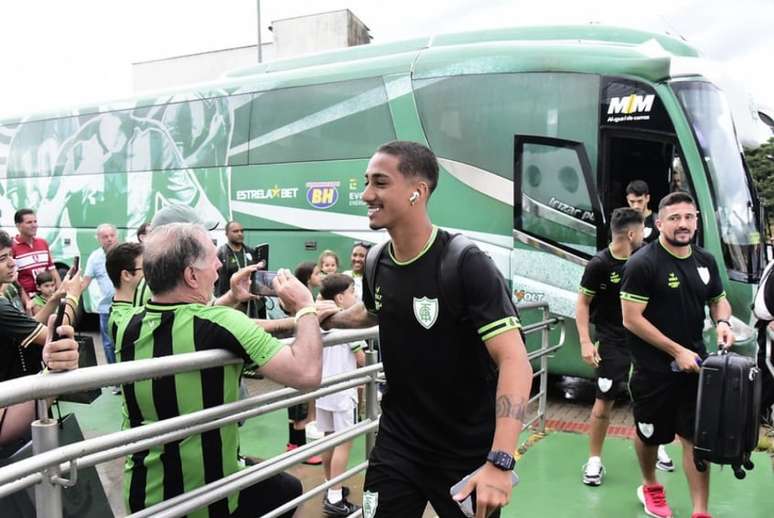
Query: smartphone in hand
pixel 60 313
pixel 261 256
pixel 468 505
pixel 75 267
pixel 260 283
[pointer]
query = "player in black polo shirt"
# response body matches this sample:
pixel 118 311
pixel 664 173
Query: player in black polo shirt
pixel 638 197
pixel 666 286
pixel 457 384
pixel 599 298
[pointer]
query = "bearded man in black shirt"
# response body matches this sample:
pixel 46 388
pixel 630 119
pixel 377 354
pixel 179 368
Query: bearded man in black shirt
pixel 457 384
pixel 666 286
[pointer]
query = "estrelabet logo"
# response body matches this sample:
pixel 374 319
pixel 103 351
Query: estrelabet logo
pixel 615 277
pixel 673 281
pixel 378 298
pixel 426 311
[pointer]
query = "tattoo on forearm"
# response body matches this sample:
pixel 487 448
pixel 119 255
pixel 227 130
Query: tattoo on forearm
pixel 506 407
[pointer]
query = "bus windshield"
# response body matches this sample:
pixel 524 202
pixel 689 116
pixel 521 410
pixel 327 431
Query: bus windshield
pixel 735 204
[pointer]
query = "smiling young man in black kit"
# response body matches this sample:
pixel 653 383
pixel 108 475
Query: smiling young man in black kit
pixel 457 387
pixel 665 288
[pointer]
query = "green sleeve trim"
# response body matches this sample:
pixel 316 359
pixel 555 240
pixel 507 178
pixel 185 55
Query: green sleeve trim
pixel 718 298
pixel 631 297
pixel 498 327
pixel 34 334
pixel 587 291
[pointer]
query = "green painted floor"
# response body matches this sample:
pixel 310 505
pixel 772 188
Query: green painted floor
pixel 551 484
pixel 550 472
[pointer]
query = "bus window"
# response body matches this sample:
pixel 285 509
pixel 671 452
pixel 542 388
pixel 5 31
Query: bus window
pixel 555 200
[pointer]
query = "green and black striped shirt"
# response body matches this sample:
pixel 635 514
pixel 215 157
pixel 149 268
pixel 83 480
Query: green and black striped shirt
pixel 157 330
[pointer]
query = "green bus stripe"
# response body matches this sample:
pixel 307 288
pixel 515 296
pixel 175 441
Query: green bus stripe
pixel 633 298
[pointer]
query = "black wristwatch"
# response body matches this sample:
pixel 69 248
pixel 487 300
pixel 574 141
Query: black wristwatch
pixel 501 460
pixel 718 321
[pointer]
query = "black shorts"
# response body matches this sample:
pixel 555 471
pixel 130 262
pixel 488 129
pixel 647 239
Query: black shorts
pixel 395 486
pixel 664 405
pixel 267 495
pixel 613 371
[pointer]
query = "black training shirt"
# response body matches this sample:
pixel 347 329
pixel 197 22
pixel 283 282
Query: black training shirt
pixel 439 408
pixel 602 281
pixel 16 330
pixel 676 291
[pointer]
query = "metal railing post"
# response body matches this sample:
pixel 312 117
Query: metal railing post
pixel 544 371
pixel 45 436
pixel 372 402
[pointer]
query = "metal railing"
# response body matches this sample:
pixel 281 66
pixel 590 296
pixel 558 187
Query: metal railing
pixel 46 467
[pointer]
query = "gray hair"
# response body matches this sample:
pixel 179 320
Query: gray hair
pixel 106 226
pixel 168 251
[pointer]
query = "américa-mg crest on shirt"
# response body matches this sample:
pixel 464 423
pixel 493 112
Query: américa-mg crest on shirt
pixel 426 311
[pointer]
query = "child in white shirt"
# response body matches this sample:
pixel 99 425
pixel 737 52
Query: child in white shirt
pixel 336 412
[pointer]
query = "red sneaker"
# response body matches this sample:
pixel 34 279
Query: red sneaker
pixel 654 501
pixel 314 460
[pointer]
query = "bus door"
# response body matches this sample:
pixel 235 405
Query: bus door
pixel 637 142
pixel 557 217
pixel 629 156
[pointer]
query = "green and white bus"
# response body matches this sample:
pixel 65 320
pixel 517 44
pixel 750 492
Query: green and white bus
pixel 537 129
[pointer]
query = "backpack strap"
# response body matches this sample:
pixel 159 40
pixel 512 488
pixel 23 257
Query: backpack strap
pixel 450 281
pixel 371 264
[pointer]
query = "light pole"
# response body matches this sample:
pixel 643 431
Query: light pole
pixel 258 7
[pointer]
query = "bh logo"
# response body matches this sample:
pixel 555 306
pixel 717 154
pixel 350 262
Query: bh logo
pixel 322 195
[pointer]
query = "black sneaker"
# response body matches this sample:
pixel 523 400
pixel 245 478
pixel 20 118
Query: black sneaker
pixel 341 508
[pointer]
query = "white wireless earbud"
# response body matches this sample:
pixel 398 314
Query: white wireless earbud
pixel 414 197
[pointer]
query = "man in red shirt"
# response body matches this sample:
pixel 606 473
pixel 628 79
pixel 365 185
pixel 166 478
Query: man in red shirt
pixel 31 253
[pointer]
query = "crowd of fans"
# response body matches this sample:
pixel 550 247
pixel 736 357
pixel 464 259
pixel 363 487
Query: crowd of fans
pixel 31 288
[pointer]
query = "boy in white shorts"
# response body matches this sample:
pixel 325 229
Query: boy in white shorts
pixel 336 412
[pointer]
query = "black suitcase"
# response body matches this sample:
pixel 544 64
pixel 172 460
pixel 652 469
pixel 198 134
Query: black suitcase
pixel 727 412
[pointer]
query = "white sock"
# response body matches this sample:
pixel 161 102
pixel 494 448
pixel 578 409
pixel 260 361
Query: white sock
pixel 334 495
pixel 595 460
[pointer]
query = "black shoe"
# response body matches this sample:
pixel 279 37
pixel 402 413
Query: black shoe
pixel 341 508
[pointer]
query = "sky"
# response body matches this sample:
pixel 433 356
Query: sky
pixel 59 54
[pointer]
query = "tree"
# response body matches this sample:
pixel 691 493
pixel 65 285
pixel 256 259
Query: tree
pixel 761 163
